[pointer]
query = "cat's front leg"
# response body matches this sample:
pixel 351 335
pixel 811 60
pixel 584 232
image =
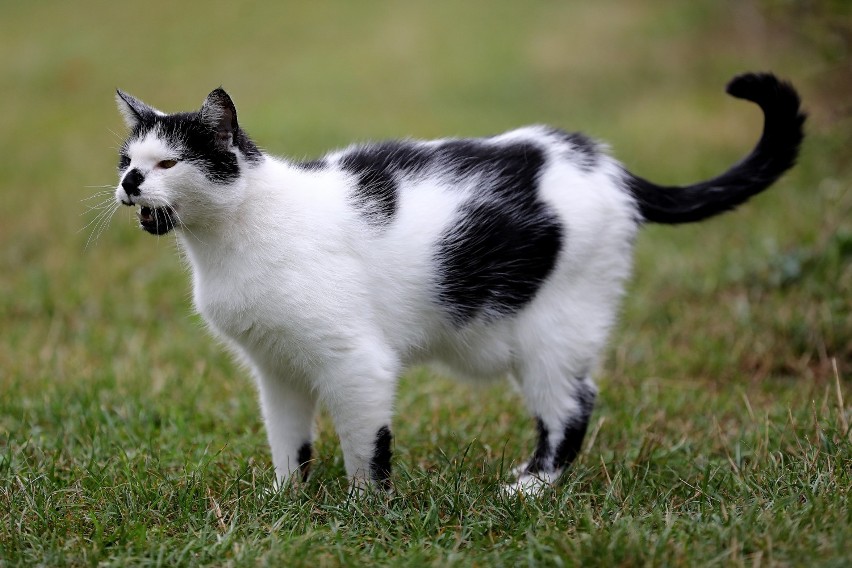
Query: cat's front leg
pixel 359 393
pixel 288 412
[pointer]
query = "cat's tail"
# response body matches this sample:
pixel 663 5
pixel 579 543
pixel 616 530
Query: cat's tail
pixel 774 154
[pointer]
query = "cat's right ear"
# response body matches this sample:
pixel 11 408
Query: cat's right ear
pixel 132 110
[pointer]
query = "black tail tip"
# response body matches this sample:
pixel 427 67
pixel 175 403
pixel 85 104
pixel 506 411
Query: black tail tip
pixel 765 89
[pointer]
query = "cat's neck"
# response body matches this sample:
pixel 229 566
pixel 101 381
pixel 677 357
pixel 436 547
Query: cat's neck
pixel 257 223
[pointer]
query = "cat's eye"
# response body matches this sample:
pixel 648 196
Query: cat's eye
pixel 166 164
pixel 123 161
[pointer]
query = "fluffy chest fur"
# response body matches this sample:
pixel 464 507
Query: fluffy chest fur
pixel 496 256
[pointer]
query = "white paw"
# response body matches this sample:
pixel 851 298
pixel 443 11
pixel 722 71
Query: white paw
pixel 360 486
pixel 519 470
pixel 530 484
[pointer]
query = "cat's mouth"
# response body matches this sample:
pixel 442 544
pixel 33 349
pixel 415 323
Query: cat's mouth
pixel 157 220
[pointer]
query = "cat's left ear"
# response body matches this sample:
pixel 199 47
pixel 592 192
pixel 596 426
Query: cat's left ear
pixel 220 115
pixel 132 110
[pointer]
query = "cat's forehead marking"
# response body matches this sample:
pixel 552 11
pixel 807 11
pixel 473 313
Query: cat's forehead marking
pixel 150 148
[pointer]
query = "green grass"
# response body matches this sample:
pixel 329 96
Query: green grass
pixel 128 437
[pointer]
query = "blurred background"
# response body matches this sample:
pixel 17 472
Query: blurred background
pixel 763 293
pixel 121 420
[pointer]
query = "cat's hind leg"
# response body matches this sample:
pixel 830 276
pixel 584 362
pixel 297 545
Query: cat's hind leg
pixel 558 342
pixel 562 405
pixel 560 436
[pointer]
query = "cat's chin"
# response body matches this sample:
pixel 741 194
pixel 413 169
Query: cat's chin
pixel 157 220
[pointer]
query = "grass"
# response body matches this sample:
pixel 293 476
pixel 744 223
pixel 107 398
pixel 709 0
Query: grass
pixel 128 437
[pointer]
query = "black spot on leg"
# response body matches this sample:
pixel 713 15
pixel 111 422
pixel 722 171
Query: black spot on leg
pixel 549 459
pixel 380 465
pixel 304 458
pixel 572 441
pixel 575 429
pixel 539 460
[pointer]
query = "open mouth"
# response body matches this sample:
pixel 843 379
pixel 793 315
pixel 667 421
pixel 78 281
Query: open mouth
pixel 157 220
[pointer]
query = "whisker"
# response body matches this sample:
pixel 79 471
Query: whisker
pixel 101 208
pixel 106 207
pixel 104 200
pixel 97 218
pixel 95 233
pixel 185 227
pixel 104 217
pixel 103 191
pixel 104 196
pixel 105 223
pixel 90 208
pixel 156 225
pixel 117 137
pixel 96 195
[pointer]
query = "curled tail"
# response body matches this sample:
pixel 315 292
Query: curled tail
pixel 774 154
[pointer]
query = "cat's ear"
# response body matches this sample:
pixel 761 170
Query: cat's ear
pixel 220 115
pixel 132 110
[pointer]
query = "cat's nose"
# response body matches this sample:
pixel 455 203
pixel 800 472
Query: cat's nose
pixel 132 181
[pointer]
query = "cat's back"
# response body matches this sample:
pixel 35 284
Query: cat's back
pixel 523 177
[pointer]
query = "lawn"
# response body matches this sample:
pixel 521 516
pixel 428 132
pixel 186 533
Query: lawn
pixel 722 436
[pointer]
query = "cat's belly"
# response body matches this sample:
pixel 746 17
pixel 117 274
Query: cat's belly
pixel 479 353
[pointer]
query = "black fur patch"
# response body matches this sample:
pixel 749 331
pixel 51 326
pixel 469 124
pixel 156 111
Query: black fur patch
pixel 378 168
pixel 583 150
pixel 506 241
pixel 304 458
pixel 197 143
pixel 380 465
pixel 312 165
pixel 539 461
pixel 575 430
pixel 550 459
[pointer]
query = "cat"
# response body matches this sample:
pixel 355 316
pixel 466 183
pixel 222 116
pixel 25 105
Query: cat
pixel 503 256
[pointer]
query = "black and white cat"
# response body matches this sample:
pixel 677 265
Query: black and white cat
pixel 500 257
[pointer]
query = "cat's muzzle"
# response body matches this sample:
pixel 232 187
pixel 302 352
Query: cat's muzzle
pixel 157 220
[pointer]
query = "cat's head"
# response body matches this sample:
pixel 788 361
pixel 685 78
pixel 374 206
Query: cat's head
pixel 182 169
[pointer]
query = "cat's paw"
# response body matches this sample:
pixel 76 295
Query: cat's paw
pixel 530 484
pixel 283 486
pixel 519 470
pixel 360 486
